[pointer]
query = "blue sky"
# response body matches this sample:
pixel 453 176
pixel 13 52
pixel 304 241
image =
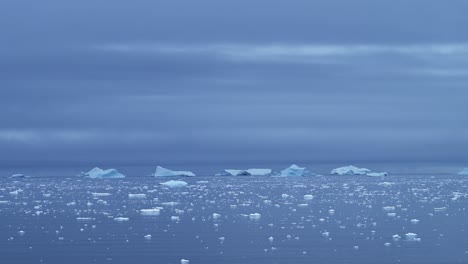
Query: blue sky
pixel 201 81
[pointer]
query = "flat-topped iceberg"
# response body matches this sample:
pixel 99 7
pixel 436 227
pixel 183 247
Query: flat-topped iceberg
pixel 295 171
pixel 163 172
pixel 350 170
pixel 174 184
pixel 98 173
pixel 248 172
pixel 463 172
pixel 19 176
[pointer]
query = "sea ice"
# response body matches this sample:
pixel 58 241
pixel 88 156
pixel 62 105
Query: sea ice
pixel 174 184
pixel 163 172
pixel 98 173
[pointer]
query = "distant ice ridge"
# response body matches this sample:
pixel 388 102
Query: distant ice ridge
pixel 163 172
pixel 295 171
pixel 463 172
pixel 174 184
pixel 353 170
pixel 248 172
pixel 98 173
pixel 19 175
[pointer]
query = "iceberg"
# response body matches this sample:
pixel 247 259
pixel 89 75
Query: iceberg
pixel 163 172
pixel 377 174
pixel 350 170
pixel 174 184
pixel 295 171
pixel 248 172
pixel 463 172
pixel 98 173
pixel 18 176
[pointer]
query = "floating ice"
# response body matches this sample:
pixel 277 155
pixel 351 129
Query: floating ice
pixel 350 170
pixel 216 216
pixel 98 173
pixel 163 172
pixel 255 216
pixel 100 194
pixel 150 212
pixel 174 184
pixel 248 172
pixel 463 172
pixel 308 197
pixel 147 237
pixel 137 196
pixel 377 174
pixel 18 175
pixel 412 237
pixel 184 261
pixel 414 221
pixel 295 170
pixel 121 219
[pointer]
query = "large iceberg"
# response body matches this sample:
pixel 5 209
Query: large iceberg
pixel 98 173
pixel 163 172
pixel 295 170
pixel 463 172
pixel 248 172
pixel 350 170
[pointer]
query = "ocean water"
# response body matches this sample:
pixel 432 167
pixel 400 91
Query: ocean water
pixel 323 219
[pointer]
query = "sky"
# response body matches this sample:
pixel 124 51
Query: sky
pixel 155 82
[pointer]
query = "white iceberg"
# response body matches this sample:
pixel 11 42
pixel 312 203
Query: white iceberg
pixel 350 170
pixel 18 176
pixel 248 172
pixel 174 184
pixel 163 172
pixel 377 174
pixel 463 172
pixel 98 173
pixel 296 171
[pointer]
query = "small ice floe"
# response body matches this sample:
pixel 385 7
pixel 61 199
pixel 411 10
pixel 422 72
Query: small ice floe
pixel 184 261
pixel 85 219
pixel 121 219
pixel 412 237
pixel 98 173
pixel 222 239
pixel 386 184
pixel 174 184
pixel 270 239
pixel 216 216
pixel 147 237
pixel 100 194
pixel 414 221
pixel 163 172
pixel 308 197
pixel 150 212
pixel 137 196
pixel 377 174
pixel 350 170
pixel 255 216
pixel 387 244
pixel 295 170
pixel 391 214
pixel 16 192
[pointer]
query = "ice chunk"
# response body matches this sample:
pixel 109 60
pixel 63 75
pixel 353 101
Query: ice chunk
pixel 255 216
pixel 295 170
pixel 150 212
pixel 350 170
pixel 248 172
pixel 174 184
pixel 163 172
pixel 377 174
pixel 412 237
pixel 121 219
pixel 98 173
pixel 136 196
pixel 463 172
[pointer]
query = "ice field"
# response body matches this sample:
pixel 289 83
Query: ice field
pixel 320 219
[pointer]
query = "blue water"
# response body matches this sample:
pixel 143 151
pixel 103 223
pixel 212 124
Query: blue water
pixel 48 211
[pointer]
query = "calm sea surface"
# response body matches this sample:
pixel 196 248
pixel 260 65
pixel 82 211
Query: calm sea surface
pixel 402 218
